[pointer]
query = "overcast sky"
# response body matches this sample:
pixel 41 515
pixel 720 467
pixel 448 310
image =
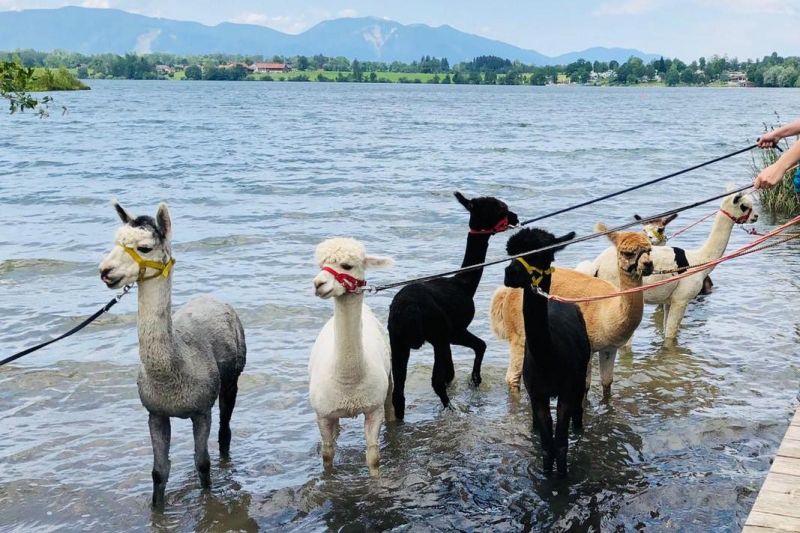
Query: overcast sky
pixel 678 28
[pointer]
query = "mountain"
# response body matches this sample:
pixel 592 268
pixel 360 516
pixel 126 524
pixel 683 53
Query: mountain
pixel 93 31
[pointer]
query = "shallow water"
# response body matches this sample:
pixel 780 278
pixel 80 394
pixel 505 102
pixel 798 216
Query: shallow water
pixel 256 175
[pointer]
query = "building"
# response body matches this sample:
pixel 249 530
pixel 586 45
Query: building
pixel 271 67
pixel 165 70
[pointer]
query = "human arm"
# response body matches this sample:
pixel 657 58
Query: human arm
pixel 771 138
pixel 772 175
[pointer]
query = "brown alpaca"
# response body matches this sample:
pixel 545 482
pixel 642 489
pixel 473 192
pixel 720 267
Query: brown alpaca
pixel 609 322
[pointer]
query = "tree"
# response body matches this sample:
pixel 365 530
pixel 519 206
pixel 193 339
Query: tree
pixel 445 65
pixel 302 63
pixel 14 82
pixel 358 72
pixel 673 77
pixel 613 64
pixel 193 72
pixel 373 77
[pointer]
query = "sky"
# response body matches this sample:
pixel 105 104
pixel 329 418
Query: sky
pixel 676 28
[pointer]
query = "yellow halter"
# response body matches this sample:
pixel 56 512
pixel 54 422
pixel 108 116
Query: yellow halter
pixel 531 269
pixel 163 268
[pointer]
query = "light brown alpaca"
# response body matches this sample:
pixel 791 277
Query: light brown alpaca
pixel 609 322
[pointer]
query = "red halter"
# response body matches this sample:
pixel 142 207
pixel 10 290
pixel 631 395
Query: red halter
pixel 742 219
pixel 500 227
pixel 347 281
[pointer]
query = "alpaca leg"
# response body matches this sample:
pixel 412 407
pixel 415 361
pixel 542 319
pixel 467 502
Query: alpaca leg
pixel 577 416
pixel 442 362
pixel 388 409
pixel 588 377
pixel 227 401
pixel 516 356
pixel 607 358
pixel 400 356
pixel 201 424
pixel 664 317
pixel 160 431
pixel 673 321
pixel 465 338
pixel 563 414
pixel 372 431
pixel 328 430
pixel 544 422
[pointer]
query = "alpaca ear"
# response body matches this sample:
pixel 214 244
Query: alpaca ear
pixel 564 238
pixel 602 228
pixel 124 215
pixel 637 217
pixel 463 200
pixel 373 261
pixel 163 220
pixel 737 198
pixel 667 219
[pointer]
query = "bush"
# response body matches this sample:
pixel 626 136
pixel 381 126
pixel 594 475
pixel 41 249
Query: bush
pixel 781 199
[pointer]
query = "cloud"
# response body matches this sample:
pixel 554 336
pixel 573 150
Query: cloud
pixel 759 7
pixel 144 42
pixel 625 7
pixel 279 22
pixel 348 13
pixel 104 4
pixel 9 5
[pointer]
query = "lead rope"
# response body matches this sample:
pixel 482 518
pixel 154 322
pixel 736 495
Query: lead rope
pixel 76 329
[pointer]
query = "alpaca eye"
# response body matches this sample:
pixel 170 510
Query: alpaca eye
pixel 347 267
pixel 145 249
pixel 744 208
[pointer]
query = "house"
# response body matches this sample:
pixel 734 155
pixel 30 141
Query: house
pixel 271 67
pixel 235 65
pixel 165 70
pixel 738 78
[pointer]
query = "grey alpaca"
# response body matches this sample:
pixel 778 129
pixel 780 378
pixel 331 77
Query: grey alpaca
pixel 187 360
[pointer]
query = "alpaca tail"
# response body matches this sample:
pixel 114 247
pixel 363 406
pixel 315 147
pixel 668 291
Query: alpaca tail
pixel 496 319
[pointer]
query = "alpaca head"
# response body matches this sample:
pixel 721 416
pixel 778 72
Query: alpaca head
pixel 739 208
pixel 142 248
pixel 487 215
pixel 343 263
pixel 518 274
pixel 655 229
pixel 633 251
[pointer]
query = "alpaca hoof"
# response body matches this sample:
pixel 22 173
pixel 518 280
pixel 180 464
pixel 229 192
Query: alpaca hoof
pixel 607 393
pixel 476 380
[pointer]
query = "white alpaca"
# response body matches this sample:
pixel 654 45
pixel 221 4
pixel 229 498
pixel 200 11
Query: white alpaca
pixel 350 366
pixel 187 360
pixel 735 209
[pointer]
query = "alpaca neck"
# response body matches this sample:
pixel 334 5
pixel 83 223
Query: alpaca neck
pixel 717 241
pixel 537 321
pixel 348 339
pixel 475 253
pixel 156 341
pixel 630 305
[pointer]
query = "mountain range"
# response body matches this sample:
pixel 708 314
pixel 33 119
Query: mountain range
pixel 94 31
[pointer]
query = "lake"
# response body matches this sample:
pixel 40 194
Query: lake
pixel 256 174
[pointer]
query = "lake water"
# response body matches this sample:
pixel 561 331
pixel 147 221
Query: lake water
pixel 256 174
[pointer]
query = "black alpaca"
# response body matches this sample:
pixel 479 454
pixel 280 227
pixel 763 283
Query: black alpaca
pixel 439 311
pixel 556 348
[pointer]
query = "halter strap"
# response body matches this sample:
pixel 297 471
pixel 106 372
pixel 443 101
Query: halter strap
pixel 350 283
pixel 163 268
pixel 531 269
pixel 501 226
pixel 740 220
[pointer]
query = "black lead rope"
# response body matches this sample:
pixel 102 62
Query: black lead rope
pixel 76 329
pixel 639 186
pixel 379 288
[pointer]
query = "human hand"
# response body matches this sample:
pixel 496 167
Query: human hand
pixel 769 139
pixel 769 176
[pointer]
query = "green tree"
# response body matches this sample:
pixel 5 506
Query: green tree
pixel 358 72
pixel 302 63
pixel 673 77
pixel 193 72
pixel 373 77
pixel 14 82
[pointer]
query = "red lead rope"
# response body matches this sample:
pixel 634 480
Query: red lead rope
pixel 500 227
pixel 347 281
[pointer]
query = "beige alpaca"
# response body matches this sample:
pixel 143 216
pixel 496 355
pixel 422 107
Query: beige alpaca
pixel 609 322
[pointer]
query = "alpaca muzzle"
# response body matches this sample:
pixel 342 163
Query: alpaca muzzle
pixel 163 269
pixel 351 284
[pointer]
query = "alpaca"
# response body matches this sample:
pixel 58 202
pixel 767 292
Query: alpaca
pixel 441 310
pixel 609 322
pixel 557 349
pixel 350 367
pixel 187 360
pixel 735 209
pixel 655 231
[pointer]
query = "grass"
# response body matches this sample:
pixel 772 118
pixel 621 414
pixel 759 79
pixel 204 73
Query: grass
pixel 781 199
